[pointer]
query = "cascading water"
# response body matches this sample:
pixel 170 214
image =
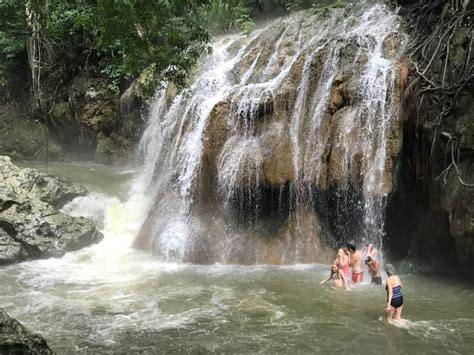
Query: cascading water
pixel 298 108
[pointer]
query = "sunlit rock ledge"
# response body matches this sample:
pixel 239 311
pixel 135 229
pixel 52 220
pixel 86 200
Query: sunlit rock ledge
pixel 31 225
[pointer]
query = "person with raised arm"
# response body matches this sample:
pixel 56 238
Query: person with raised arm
pixel 374 270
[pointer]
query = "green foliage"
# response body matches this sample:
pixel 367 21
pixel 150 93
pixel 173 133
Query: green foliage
pixel 269 6
pixel 120 38
pixel 12 35
pixel 168 34
pixel 222 15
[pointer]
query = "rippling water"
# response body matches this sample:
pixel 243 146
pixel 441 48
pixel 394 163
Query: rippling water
pixel 111 298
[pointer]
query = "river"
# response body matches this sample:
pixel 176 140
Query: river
pixel 110 298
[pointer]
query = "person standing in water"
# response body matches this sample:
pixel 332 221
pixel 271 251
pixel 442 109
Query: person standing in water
pixel 357 274
pixel 394 294
pixel 342 261
pixel 374 270
pixel 337 277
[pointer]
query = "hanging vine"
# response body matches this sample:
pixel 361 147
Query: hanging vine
pixel 39 53
pixel 441 49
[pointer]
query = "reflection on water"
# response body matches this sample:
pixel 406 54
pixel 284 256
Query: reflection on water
pixel 111 298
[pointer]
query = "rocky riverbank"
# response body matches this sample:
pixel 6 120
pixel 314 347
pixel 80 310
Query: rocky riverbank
pixel 16 339
pixel 31 224
pixel 86 121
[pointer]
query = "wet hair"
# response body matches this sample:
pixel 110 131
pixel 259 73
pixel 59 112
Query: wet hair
pixel 390 269
pixel 351 246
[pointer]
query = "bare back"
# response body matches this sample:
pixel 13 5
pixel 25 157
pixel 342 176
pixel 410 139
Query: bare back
pixel 356 262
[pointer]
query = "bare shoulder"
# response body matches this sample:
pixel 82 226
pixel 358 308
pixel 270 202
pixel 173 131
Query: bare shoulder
pixel 390 281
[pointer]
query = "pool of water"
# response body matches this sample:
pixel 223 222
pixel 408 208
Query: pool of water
pixel 110 298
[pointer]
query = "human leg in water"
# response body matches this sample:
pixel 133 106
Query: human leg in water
pixel 389 310
pixel 398 313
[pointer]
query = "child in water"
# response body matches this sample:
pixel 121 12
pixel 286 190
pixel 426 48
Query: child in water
pixel 337 277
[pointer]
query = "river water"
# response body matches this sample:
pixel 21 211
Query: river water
pixel 111 298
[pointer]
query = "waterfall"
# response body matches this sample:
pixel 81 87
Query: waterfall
pixel 305 106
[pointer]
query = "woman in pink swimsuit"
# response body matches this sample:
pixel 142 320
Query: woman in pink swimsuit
pixel 342 261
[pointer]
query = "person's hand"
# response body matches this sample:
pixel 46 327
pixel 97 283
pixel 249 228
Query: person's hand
pixel 387 309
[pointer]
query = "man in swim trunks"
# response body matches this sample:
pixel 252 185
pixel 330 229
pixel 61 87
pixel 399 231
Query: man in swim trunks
pixel 357 274
pixel 374 270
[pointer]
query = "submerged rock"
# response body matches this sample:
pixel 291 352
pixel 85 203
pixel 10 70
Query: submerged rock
pixel 31 227
pixel 16 339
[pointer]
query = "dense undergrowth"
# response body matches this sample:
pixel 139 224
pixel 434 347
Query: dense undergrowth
pixel 440 48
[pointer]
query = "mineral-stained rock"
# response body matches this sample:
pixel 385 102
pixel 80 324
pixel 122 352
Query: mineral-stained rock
pixel 16 339
pixel 277 161
pixel 31 225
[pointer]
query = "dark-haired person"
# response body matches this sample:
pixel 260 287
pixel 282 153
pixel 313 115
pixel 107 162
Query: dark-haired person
pixel 394 294
pixel 374 270
pixel 357 274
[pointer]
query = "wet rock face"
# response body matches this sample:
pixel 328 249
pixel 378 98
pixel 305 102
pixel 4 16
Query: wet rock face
pixel 317 124
pixel 31 226
pixel 16 339
pixel 457 200
pixel 305 105
pixel 298 238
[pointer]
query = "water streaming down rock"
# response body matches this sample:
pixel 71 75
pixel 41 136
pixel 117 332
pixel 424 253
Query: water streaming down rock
pixel 245 165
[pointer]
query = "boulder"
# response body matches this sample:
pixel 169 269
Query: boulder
pixel 10 250
pixel 31 184
pixel 30 224
pixel 16 339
